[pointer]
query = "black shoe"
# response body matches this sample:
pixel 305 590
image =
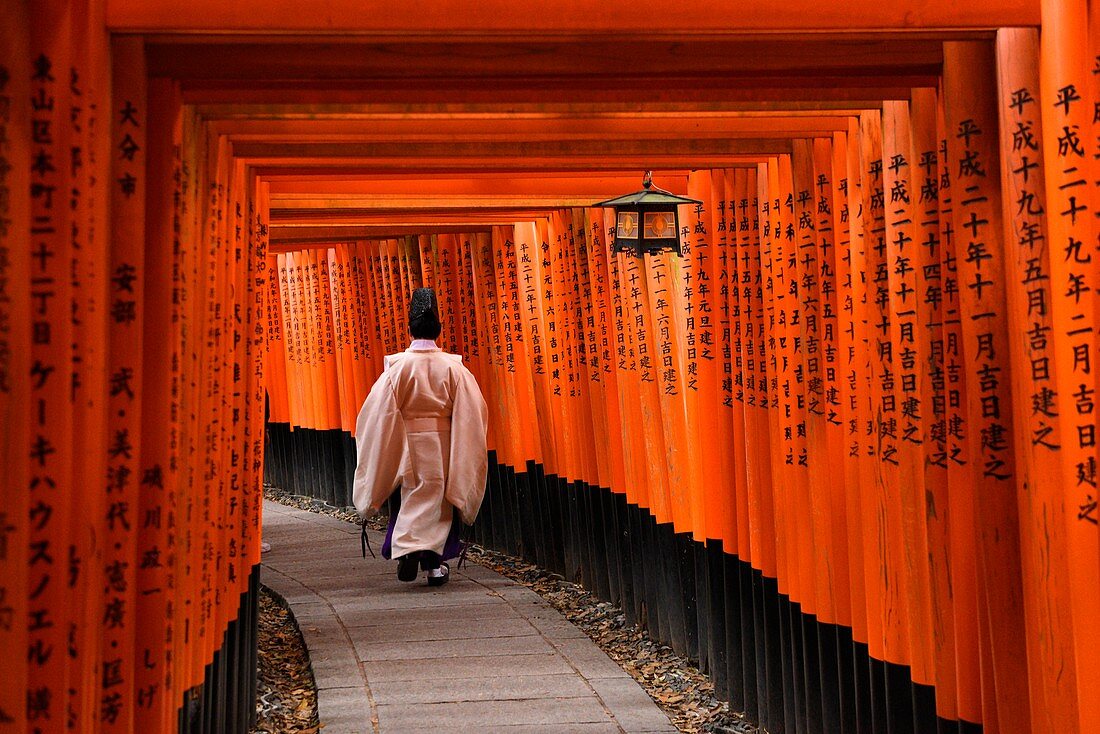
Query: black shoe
pixel 407 567
pixel 439 576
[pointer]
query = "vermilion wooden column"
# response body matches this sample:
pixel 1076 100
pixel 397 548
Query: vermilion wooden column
pixel 761 475
pixel 321 289
pixel 359 314
pixel 178 659
pixel 924 190
pixel 47 440
pixel 846 174
pixel 489 310
pixel 848 229
pixel 834 515
pixel 1041 480
pixel 582 335
pixel 215 276
pixel 117 699
pixel 647 347
pixel 275 345
pixel 878 479
pixel 974 161
pixel 290 337
pixel 1065 70
pixel 600 368
pixel 15 352
pixel 255 279
pixel 585 395
pixel 698 302
pixel 729 512
pixel 295 375
pixel 92 148
pixel 373 324
pixel 160 418
pixel 628 374
pixel 804 331
pixel 559 340
pixel 769 203
pixel 730 382
pixel 961 551
pixel 907 511
pixel 355 315
pixel 337 309
pixel 529 324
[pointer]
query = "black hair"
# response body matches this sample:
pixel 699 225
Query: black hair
pixel 425 326
pixel 424 314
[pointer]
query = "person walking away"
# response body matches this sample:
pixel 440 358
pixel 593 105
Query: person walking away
pixel 422 428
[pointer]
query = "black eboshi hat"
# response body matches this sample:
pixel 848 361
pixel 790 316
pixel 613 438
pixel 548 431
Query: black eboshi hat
pixel 423 303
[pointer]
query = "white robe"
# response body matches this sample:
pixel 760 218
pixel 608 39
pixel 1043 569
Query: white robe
pixel 422 427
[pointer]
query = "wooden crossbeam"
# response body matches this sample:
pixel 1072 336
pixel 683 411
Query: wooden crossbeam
pixel 284 187
pixel 445 128
pixel 610 62
pixel 516 18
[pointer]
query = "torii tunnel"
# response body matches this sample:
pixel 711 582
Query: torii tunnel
pixel 841 451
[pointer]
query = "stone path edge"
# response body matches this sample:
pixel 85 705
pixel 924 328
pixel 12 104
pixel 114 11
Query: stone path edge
pixel 309 606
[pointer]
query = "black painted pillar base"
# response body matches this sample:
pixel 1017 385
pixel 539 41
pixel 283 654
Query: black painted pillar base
pixel 225 702
pixel 781 667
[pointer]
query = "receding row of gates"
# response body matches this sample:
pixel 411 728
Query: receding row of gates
pixel 842 450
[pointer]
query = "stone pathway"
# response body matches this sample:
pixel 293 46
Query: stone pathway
pixel 480 654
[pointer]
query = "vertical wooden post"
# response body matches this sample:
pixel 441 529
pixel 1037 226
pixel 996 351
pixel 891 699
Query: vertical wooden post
pixel 16 267
pixel 933 507
pixel 1039 462
pixel 760 396
pixel 848 195
pixel 1066 113
pixel 159 417
pixel 124 464
pixel 878 477
pixel 974 162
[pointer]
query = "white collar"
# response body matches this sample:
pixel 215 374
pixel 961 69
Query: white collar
pixel 423 345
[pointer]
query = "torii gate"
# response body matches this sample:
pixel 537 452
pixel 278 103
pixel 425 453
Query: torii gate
pixel 906 459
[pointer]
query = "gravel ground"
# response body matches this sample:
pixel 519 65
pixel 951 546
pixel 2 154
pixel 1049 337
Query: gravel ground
pixel 286 694
pixel 684 693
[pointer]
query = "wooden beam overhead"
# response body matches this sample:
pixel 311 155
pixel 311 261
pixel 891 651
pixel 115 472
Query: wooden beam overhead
pixel 646 19
pixel 303 110
pixel 408 217
pixel 329 169
pixel 370 181
pixel 835 92
pixel 607 63
pixel 564 149
pixel 282 238
pixel 593 186
pixel 448 129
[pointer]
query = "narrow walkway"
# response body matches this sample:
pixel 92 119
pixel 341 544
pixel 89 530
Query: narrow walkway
pixel 481 654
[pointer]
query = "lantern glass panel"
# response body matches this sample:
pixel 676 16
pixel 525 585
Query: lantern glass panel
pixel 660 225
pixel 627 225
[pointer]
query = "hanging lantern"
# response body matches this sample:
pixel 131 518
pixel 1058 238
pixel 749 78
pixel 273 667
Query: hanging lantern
pixel 646 221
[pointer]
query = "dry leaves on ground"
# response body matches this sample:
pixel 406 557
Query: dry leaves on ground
pixel 286 698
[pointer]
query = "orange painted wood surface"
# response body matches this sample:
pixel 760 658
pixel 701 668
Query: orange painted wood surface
pixel 15 348
pixel 973 159
pixel 588 17
pixel 1066 70
pixel 870 375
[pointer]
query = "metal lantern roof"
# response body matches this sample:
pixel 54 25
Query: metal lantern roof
pixel 649 195
pixel 647 220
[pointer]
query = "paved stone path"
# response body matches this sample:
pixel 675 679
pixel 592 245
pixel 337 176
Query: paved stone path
pixel 481 654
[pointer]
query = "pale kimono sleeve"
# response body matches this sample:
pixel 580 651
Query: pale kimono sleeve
pixel 469 463
pixel 380 446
